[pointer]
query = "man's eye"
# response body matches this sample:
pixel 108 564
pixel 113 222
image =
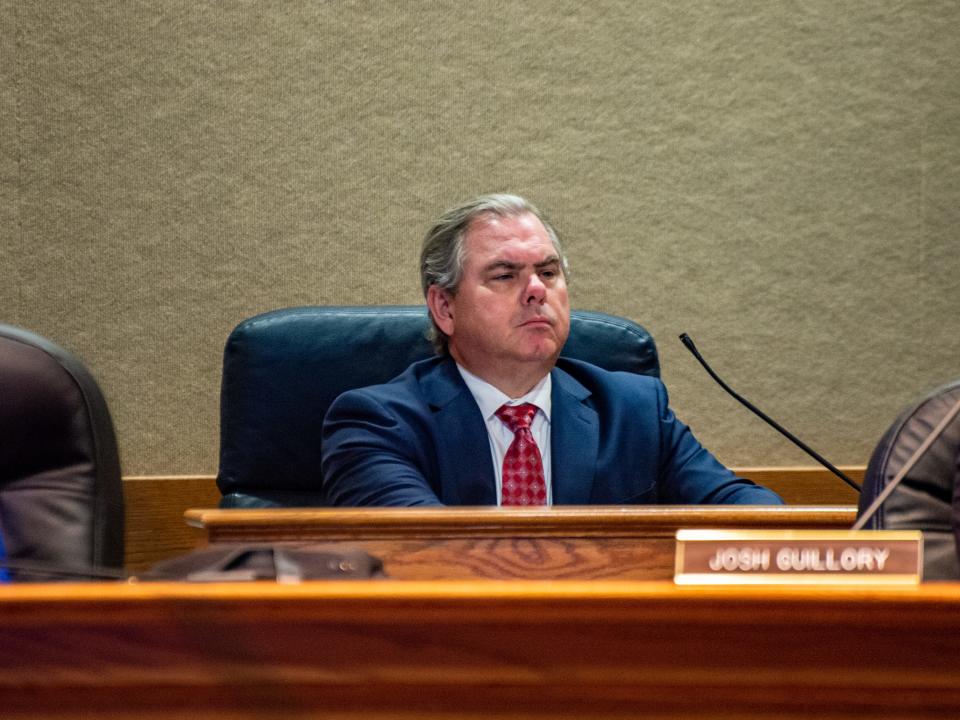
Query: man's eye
pixel 548 273
pixel 505 276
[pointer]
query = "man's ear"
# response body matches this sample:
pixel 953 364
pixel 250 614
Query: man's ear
pixel 440 303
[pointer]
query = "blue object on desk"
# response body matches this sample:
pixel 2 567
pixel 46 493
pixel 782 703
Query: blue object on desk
pixel 4 575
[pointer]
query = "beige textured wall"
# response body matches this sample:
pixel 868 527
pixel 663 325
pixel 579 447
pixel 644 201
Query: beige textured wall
pixel 781 180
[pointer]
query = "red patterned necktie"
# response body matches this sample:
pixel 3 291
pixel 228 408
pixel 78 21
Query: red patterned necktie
pixel 523 482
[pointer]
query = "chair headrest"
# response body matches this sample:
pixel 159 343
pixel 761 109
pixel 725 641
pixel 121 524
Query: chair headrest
pixel 283 369
pixel 61 499
pixel 925 499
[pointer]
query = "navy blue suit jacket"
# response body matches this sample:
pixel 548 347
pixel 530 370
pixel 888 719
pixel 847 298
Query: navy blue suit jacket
pixel 421 440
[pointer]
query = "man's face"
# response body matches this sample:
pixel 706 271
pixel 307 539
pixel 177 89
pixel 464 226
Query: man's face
pixel 511 313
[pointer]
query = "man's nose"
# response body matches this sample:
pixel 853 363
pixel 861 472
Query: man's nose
pixel 535 291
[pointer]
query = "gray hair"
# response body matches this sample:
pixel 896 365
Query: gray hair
pixel 443 253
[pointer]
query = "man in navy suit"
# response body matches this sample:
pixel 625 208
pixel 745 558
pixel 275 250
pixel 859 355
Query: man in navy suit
pixel 446 431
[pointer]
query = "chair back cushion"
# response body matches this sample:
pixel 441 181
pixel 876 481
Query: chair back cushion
pixel 61 500
pixel 283 369
pixel 926 499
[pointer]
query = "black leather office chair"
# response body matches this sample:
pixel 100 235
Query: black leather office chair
pixel 282 369
pixel 928 498
pixel 61 499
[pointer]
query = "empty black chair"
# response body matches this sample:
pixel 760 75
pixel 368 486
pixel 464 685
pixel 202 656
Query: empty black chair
pixel 61 499
pixel 927 499
pixel 282 369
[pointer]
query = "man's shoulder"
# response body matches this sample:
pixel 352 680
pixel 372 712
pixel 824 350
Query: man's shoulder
pixel 406 386
pixel 596 379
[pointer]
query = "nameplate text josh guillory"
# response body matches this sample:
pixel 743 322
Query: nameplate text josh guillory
pixel 788 556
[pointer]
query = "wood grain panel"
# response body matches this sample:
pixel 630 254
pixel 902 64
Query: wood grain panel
pixel 807 485
pixel 154 526
pixel 591 542
pixel 437 650
pixel 155 505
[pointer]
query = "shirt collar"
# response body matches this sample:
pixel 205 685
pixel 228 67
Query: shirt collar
pixel 490 399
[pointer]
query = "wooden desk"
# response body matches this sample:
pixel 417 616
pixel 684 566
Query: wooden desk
pixel 394 649
pixel 626 543
pixel 154 505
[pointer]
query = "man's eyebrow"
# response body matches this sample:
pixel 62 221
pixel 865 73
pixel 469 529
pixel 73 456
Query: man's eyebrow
pixel 552 260
pixel 507 265
pixel 501 265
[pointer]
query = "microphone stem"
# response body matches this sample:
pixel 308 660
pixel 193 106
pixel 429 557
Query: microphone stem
pixel 50 570
pixel 688 343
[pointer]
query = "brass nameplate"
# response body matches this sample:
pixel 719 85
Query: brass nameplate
pixel 731 557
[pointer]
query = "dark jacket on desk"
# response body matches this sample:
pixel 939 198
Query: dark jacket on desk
pixel 421 440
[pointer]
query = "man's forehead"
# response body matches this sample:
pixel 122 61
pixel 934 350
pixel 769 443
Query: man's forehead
pixel 492 222
pixel 490 230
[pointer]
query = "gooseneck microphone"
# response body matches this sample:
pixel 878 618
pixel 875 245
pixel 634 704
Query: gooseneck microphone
pixel 52 571
pixel 688 343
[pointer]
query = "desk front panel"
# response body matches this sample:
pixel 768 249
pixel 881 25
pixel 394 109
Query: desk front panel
pixel 563 543
pixel 556 649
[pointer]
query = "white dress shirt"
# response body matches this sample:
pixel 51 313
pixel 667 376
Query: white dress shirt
pixel 490 399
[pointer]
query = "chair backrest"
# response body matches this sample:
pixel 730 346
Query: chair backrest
pixel 61 499
pixel 282 369
pixel 927 499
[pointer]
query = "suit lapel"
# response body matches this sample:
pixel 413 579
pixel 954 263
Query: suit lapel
pixel 463 450
pixel 574 441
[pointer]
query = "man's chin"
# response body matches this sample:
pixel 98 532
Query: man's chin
pixel 542 351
